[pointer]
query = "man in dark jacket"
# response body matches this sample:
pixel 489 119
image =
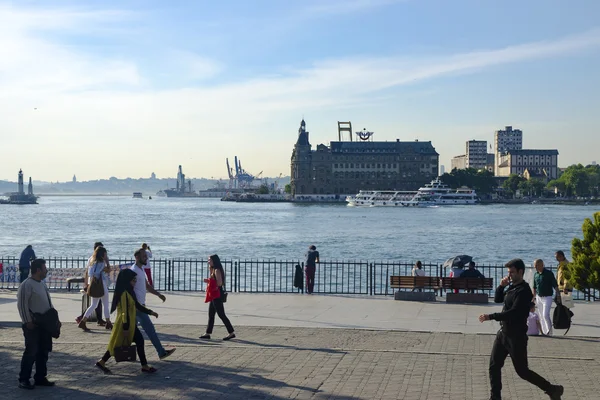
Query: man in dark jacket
pixel 310 267
pixel 512 337
pixel 27 256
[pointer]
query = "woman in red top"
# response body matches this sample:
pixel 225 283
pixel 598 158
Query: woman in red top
pixel 214 294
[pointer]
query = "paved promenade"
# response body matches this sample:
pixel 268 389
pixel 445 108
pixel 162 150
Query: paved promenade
pixel 301 347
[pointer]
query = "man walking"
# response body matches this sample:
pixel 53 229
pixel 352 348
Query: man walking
pixel 512 336
pixel 33 297
pixel 310 267
pixel 27 256
pixel 148 267
pixel 140 288
pixel 543 284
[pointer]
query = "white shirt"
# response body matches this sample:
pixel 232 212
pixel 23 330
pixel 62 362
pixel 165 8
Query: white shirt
pixel 418 272
pixel 149 254
pixel 140 284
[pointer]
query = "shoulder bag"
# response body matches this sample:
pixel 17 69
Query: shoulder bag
pixel 96 288
pixel 48 320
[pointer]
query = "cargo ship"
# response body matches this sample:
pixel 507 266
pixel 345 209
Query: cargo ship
pixel 183 189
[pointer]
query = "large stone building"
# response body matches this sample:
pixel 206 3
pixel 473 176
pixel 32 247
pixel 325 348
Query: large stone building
pixel 536 162
pixel 345 167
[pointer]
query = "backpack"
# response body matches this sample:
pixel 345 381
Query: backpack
pixel 562 318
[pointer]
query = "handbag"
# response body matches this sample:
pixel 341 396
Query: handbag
pixel 224 297
pixel 96 288
pixel 125 353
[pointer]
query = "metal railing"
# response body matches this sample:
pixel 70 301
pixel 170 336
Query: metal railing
pixel 355 277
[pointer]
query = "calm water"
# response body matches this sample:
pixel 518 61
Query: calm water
pixel 194 228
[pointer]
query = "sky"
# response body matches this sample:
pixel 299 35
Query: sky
pixel 130 87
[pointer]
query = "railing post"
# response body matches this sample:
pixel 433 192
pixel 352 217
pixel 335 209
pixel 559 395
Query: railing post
pixel 235 276
pixel 169 275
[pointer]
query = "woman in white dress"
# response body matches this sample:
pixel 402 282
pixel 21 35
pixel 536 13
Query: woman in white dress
pixel 98 267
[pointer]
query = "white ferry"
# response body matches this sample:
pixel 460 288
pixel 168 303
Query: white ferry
pixel 433 194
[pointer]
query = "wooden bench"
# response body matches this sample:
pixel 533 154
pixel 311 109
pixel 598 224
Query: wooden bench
pixel 415 282
pixel 469 284
pixel 73 280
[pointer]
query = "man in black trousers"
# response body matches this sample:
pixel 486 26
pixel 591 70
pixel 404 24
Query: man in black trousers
pixel 512 337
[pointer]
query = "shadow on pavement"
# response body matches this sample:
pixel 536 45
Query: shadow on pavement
pixel 283 346
pixel 76 377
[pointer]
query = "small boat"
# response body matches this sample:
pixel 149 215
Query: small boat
pixel 137 195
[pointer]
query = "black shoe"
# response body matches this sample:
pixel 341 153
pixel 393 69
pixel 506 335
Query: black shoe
pixel 167 354
pixel 205 336
pixel 26 385
pixel 44 382
pixel 229 337
pixel 556 392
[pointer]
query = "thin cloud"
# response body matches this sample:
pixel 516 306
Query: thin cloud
pixel 81 96
pixel 325 8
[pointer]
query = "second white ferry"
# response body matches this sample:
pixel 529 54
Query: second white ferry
pixel 433 194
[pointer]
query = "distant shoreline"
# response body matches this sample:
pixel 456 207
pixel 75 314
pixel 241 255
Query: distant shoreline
pixel 483 202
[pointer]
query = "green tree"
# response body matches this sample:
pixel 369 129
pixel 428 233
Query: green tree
pixel 263 189
pixel 578 180
pixel 584 271
pixel 288 189
pixel 511 185
pixel 482 181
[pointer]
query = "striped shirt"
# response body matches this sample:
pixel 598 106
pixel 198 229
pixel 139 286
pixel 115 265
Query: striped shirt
pixel 33 296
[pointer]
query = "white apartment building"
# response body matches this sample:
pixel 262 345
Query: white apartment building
pixel 459 162
pixel 504 140
pixel 535 161
pixel 476 154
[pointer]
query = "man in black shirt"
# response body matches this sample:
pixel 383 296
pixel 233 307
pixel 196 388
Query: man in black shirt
pixel 512 337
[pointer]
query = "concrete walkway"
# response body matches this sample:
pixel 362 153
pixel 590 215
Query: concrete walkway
pixel 320 311
pixel 378 349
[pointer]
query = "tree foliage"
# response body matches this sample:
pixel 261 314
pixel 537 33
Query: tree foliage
pixel 263 189
pixel 532 187
pixel 513 182
pixel 482 181
pixel 584 271
pixel 288 189
pixel 578 180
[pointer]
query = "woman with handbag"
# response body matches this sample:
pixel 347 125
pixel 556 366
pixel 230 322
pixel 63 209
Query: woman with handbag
pixel 125 330
pixel 216 295
pixel 97 276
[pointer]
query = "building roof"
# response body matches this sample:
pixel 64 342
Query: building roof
pixel 532 152
pixel 302 135
pixel 383 147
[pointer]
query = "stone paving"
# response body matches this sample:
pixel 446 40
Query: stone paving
pixel 301 363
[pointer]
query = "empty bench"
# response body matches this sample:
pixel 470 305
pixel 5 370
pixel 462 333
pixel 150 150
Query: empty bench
pixel 415 282
pixel 470 285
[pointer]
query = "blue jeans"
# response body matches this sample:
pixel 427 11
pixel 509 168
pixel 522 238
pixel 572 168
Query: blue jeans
pixel 23 274
pixel 148 327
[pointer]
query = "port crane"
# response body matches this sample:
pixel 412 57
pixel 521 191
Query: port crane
pixel 238 176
